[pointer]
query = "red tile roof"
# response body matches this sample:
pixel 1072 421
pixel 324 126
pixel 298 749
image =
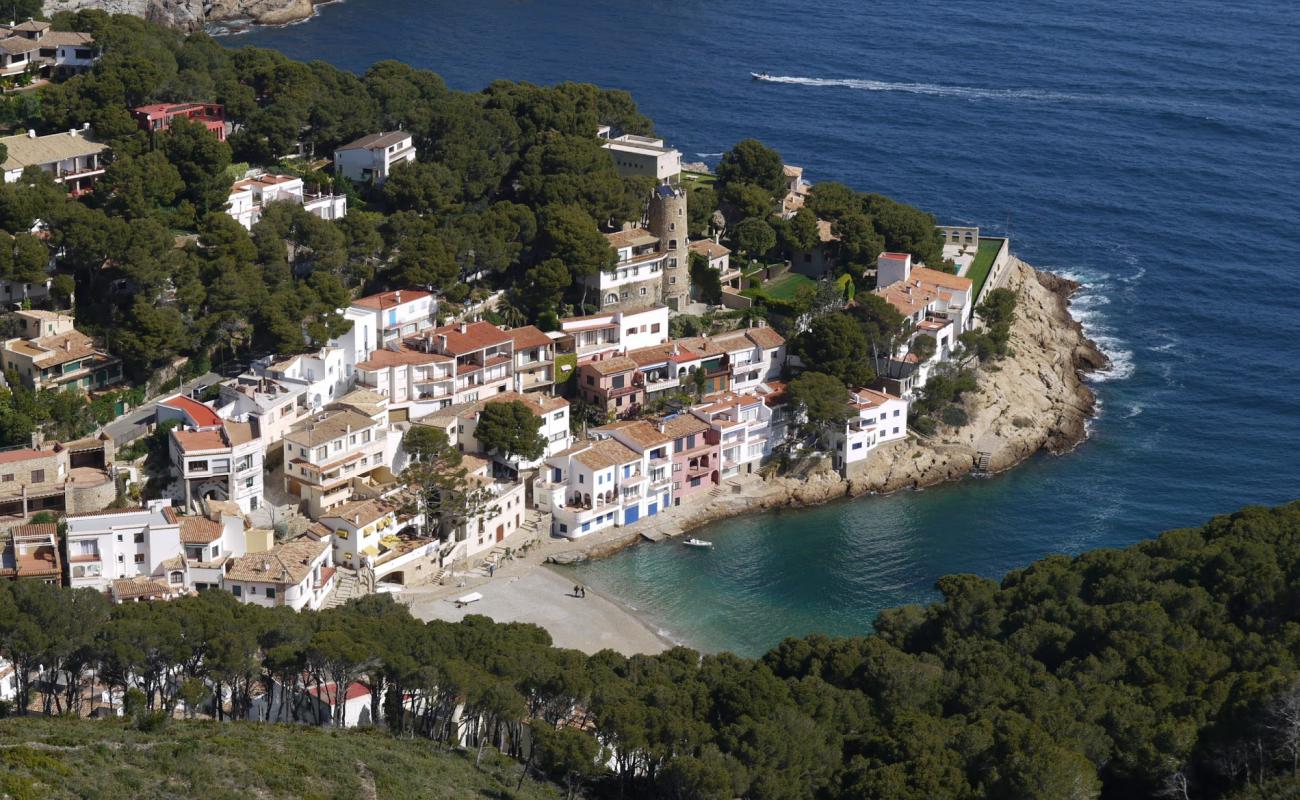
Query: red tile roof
pixel 202 415
pixel 475 336
pixel 383 300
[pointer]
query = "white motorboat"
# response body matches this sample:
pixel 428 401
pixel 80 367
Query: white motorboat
pixel 761 76
pixel 697 543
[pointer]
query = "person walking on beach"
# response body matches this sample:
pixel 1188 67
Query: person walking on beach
pixel 576 591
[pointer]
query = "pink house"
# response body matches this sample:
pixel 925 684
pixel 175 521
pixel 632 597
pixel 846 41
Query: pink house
pixel 696 455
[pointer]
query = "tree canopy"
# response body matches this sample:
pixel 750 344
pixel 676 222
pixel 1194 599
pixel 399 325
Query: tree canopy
pixel 510 430
pixel 1164 668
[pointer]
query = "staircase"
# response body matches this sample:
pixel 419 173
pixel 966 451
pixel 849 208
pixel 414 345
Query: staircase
pixel 346 587
pixel 982 460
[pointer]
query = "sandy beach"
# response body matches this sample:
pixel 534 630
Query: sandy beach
pixel 528 592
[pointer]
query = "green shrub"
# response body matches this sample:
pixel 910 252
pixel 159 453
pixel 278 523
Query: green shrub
pixel 954 416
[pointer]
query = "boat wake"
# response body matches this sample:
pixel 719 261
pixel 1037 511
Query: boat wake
pixel 934 89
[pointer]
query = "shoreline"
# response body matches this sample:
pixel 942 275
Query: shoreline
pixel 237 25
pixel 1034 400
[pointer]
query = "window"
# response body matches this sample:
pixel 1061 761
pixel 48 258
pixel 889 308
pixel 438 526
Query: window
pixel 270 592
pixel 895 412
pixel 139 537
pixel 248 483
pixel 236 589
pixel 174 578
pixel 895 430
pixel 643 291
pixel 564 528
pixel 252 590
pixel 857 445
pixel 139 558
pixel 119 537
pixel 673 279
pixel 38 476
pixel 654 328
pixel 8 477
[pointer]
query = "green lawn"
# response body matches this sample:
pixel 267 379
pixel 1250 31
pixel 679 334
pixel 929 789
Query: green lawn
pixel 698 178
pixel 47 759
pixel 979 268
pixel 784 287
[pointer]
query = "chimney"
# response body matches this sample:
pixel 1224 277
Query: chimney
pixel 356 520
pixel 463 327
pixel 397 296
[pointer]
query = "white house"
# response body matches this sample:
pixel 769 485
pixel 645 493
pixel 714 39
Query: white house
pixel 106 546
pixel 331 454
pixel 616 332
pixel 743 426
pixel 214 458
pixel 642 155
pixel 414 382
pixel 358 529
pixel 71 157
pixel 323 375
pixel 755 355
pixel 250 196
pixel 380 320
pixel 875 419
pixel 371 159
pixel 919 292
pixel 32 46
pixel 601 483
pixel 299 574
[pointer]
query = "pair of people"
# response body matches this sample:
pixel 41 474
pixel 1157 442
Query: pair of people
pixel 579 591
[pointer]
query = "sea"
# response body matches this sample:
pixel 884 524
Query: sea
pixel 1149 150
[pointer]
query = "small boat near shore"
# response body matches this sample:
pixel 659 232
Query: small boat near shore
pixel 698 543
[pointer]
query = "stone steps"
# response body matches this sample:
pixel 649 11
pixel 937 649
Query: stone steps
pixel 346 587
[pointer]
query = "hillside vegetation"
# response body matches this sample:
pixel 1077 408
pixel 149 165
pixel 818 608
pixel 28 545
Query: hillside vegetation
pixel 1165 669
pixel 50 759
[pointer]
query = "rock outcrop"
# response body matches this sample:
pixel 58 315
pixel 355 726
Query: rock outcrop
pixel 192 15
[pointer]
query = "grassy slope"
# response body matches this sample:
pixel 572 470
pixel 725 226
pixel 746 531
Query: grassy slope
pixel 61 758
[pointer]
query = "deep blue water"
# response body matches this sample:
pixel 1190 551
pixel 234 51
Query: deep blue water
pixel 1150 150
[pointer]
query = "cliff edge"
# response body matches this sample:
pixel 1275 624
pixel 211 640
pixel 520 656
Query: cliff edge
pixel 191 15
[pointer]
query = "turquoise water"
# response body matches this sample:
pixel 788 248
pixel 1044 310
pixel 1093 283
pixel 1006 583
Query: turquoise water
pixel 1150 150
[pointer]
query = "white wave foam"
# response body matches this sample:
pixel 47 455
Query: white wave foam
pixel 1135 410
pixel 708 155
pixel 1121 359
pixel 933 89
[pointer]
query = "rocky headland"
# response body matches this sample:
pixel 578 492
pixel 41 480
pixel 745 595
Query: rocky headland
pixel 1033 400
pixel 192 15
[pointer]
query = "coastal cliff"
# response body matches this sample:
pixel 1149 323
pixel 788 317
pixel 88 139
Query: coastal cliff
pixel 191 15
pixel 1033 400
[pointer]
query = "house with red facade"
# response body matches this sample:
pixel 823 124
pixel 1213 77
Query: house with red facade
pixel 614 384
pixel 159 116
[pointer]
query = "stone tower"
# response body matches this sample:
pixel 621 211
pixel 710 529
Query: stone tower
pixel 667 220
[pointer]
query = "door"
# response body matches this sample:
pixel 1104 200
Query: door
pixel 631 515
pixel 652 510
pixel 501 532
